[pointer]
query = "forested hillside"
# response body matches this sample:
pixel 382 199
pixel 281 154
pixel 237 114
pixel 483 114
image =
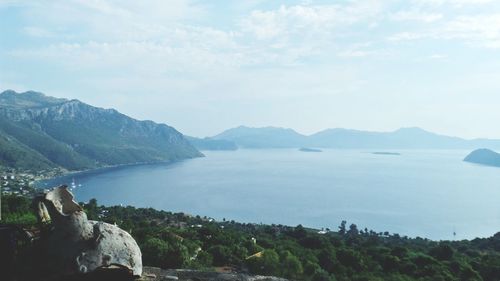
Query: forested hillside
pixel 171 240
pixel 38 131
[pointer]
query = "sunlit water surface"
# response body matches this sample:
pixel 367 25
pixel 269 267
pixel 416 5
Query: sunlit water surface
pixel 418 193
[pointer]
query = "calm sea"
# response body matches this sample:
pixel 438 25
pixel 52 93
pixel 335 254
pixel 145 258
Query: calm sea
pixel 430 193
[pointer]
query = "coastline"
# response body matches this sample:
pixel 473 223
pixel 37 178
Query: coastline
pixel 190 190
pixel 41 184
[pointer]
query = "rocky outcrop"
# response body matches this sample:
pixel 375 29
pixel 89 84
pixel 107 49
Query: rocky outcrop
pixel 157 274
pixel 307 149
pixel 77 246
pixel 80 249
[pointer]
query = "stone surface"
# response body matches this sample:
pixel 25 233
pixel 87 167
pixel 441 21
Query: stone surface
pixel 77 245
pixel 157 274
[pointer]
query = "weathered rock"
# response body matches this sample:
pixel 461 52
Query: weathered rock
pixel 157 274
pixel 76 245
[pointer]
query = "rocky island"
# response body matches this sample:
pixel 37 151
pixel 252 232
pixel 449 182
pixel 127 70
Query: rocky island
pixel 386 153
pixel 484 157
pixel 306 149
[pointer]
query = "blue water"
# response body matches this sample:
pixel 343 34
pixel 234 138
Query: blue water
pixel 419 193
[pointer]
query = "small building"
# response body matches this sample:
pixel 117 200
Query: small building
pixel 256 255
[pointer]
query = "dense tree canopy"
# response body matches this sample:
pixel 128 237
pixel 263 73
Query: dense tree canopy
pixel 180 241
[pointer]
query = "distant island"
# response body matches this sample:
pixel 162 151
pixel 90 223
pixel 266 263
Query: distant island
pixel 484 157
pixel 306 149
pixel 385 153
pixel 211 144
pixel 338 138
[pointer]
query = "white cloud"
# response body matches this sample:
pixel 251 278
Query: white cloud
pixel 145 56
pixel 437 56
pixel 479 30
pixel 355 53
pixel 406 36
pixel 110 19
pixel 183 57
pixel 307 19
pixel 115 34
pixel 416 16
pixel 36 31
pixel 453 3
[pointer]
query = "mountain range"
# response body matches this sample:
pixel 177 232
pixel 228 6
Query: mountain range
pixel 212 144
pixel 404 138
pixel 38 132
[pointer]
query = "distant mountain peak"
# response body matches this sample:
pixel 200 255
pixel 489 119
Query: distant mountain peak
pixel 411 129
pixel 28 99
pixel 262 137
pixel 403 138
pixel 71 134
pixel 8 92
pixel 33 94
pixel 262 128
pixel 27 94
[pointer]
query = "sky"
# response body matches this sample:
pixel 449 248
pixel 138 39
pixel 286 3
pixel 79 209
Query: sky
pixel 206 66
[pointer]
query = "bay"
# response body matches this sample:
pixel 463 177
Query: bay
pixel 426 193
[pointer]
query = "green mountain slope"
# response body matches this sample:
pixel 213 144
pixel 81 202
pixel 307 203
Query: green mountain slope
pixel 75 135
pixel 15 154
pixel 52 150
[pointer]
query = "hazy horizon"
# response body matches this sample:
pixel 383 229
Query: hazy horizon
pixel 286 128
pixel 308 65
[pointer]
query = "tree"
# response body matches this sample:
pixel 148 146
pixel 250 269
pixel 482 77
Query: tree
pixel 92 209
pixel 350 258
pixel 267 264
pixel 299 232
pixel 221 255
pixel 271 262
pixel 342 228
pixel 154 251
pixel 353 230
pixel 292 267
pixel 313 242
pixel 327 260
pixel 203 260
pixel 442 252
pixel 390 263
pixel 178 256
pixel 160 253
pixel 322 275
pixel 310 268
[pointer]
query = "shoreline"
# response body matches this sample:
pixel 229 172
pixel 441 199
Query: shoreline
pixel 36 184
pixel 126 170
